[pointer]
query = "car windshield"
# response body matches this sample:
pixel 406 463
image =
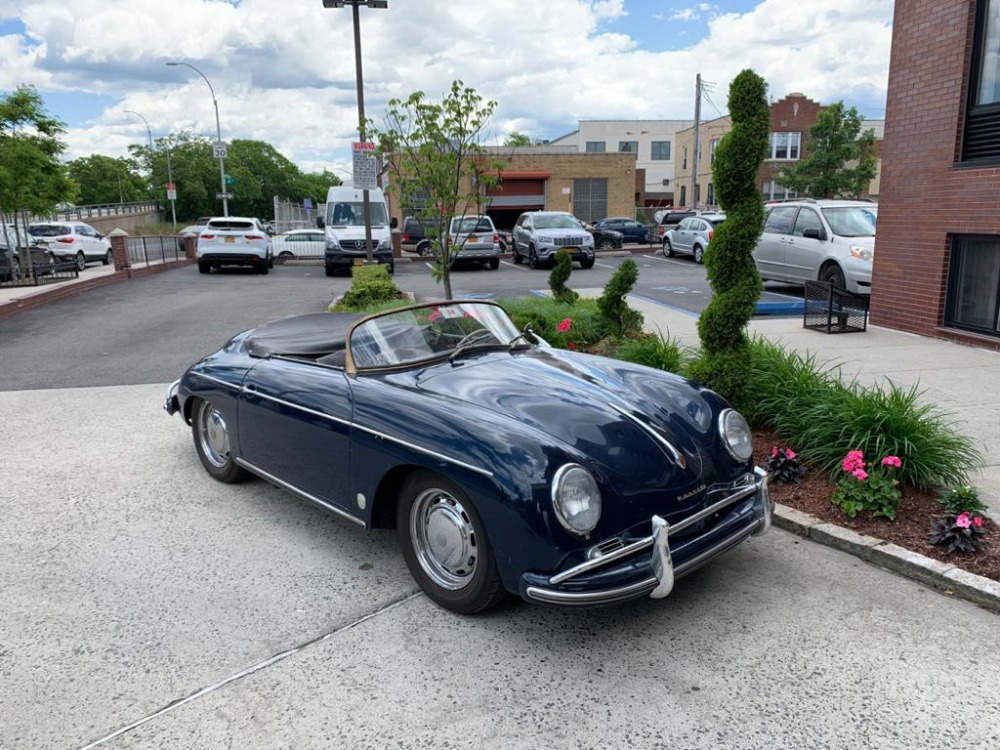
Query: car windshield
pixel 852 221
pixel 49 230
pixel 352 214
pixel 398 338
pixel 556 221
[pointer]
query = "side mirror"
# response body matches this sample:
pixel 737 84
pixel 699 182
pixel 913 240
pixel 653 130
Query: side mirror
pixel 319 222
pixel 812 233
pixel 393 222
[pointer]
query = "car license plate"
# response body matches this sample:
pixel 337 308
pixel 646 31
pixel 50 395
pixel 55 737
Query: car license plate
pixel 569 250
pixel 230 239
pixel 359 261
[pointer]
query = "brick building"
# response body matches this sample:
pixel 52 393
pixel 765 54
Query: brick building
pixel 937 263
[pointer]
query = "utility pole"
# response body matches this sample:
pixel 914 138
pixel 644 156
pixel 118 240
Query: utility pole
pixel 697 141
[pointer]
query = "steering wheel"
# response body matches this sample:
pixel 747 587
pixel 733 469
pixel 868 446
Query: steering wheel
pixel 473 337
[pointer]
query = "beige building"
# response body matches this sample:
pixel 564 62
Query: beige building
pixel 686 193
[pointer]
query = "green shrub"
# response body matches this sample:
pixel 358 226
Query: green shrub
pixel 545 315
pixel 371 286
pixel 654 350
pixel 561 270
pixel 620 319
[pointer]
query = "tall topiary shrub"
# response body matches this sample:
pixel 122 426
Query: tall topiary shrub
pixel 561 271
pixel 620 319
pixel 724 364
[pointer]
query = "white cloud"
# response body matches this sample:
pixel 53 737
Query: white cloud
pixel 284 72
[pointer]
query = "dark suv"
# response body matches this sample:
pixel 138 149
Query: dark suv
pixel 418 235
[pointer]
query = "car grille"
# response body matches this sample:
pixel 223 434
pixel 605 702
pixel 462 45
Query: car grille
pixel 354 244
pixel 567 241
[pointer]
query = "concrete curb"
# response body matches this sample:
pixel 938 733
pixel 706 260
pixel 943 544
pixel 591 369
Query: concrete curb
pixel 946 578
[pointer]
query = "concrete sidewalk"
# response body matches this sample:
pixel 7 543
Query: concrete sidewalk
pixel 964 382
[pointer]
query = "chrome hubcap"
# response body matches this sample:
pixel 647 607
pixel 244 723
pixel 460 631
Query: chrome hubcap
pixel 444 539
pixel 214 435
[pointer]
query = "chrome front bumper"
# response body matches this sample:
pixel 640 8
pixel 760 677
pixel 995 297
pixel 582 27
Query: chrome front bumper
pixel 170 403
pixel 662 570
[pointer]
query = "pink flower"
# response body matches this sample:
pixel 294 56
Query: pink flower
pixel 853 461
pixel 892 461
pixel 963 521
pixel 565 325
pixel 789 453
pixel 774 451
pixel 572 346
pixel 977 521
pixel 434 316
pixel 860 474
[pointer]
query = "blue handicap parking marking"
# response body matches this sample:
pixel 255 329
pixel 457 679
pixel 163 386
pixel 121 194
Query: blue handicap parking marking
pixel 677 289
pixel 460 294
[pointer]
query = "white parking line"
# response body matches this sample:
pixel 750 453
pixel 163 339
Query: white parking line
pixel 669 260
pixel 518 266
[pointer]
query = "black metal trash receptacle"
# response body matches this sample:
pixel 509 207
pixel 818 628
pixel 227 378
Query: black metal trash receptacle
pixel 831 309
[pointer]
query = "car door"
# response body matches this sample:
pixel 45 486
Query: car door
pixel 294 423
pixel 803 255
pixel 522 233
pixel 769 255
pixel 680 236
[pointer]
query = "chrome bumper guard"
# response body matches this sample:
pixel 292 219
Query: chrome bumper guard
pixel 170 403
pixel 661 583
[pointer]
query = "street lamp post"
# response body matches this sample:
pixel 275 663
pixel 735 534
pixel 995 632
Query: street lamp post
pixel 220 147
pixel 152 150
pixel 355 4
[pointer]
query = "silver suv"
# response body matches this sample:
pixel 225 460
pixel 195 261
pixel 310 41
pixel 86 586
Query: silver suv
pixel 539 235
pixel 819 240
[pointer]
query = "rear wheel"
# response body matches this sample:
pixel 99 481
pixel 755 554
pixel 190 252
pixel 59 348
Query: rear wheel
pixel 445 545
pixel 699 254
pixel 81 261
pixel 494 263
pixel 262 268
pixel 211 441
pixel 832 275
pixel 107 258
pixel 204 266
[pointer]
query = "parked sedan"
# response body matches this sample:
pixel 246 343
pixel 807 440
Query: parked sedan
pixel 506 466
pixel 692 236
pixel 73 240
pixel 298 243
pixel 631 230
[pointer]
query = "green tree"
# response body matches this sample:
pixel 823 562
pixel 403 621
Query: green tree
pixel 433 153
pixel 724 364
pixel 105 179
pixel 32 179
pixel 315 185
pixel 518 139
pixel 841 160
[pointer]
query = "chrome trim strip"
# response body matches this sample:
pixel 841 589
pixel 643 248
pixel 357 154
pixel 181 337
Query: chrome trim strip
pixel 703 557
pixel 300 493
pixel 298 407
pixel 233 386
pixel 600 562
pixel 675 454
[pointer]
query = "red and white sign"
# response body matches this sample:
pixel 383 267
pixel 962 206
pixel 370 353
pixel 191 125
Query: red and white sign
pixel 365 165
pixel 171 191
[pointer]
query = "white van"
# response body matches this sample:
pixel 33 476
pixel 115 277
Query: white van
pixel 344 227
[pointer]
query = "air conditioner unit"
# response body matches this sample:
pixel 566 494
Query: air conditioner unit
pixel 666 182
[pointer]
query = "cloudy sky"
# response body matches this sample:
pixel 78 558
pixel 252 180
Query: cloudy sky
pixel 283 72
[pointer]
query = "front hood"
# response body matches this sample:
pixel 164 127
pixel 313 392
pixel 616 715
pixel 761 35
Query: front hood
pixel 613 413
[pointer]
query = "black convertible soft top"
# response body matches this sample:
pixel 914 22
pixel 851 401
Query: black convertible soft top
pixel 313 335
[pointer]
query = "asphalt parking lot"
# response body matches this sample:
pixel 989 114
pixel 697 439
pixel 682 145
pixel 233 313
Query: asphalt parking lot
pixel 148 606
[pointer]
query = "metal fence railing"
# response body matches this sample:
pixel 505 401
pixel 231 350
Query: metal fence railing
pixel 41 273
pixel 82 213
pixel 154 249
pixel 290 215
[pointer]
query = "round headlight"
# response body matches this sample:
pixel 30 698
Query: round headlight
pixel 736 434
pixel 576 499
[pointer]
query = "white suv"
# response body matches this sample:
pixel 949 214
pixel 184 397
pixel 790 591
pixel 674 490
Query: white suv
pixel 234 241
pixel 819 240
pixel 72 241
pixel 539 235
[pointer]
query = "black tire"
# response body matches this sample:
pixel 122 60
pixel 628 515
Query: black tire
pixel 284 256
pixel 81 261
pixel 392 269
pixel 668 249
pixel 262 268
pixel 606 244
pixel 532 258
pixel 518 260
pixel 699 254
pixel 459 570
pixel 270 261
pixel 15 270
pixel 494 264
pixel 108 257
pixel 330 271
pixel 833 276
pixel 211 441
pixel 587 263
pixel 204 266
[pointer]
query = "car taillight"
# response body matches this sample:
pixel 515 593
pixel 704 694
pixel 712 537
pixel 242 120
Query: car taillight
pixel 204 236
pixel 65 240
pixel 662 230
pixel 254 237
pixel 711 234
pixel 405 238
pixel 496 238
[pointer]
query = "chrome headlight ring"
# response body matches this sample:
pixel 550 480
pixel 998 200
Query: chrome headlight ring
pixel 736 435
pixel 576 499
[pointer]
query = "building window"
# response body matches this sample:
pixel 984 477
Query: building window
pixel 712 145
pixel 983 113
pixel 628 147
pixel 684 195
pixel 685 164
pixel 590 199
pixel 659 151
pixel 595 147
pixel 785 146
pixel 973 299
pixel 711 194
pixel 774 192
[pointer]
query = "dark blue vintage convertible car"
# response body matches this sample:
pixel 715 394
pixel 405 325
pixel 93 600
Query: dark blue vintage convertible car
pixel 505 464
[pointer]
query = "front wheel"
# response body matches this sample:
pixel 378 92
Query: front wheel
pixel 587 263
pixel 833 276
pixel 330 271
pixel 518 260
pixel 211 440
pixel 668 249
pixel 532 258
pixel 445 545
pixel 606 244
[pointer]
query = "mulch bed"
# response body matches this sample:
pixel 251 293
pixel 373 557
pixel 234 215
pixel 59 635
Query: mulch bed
pixel 911 529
